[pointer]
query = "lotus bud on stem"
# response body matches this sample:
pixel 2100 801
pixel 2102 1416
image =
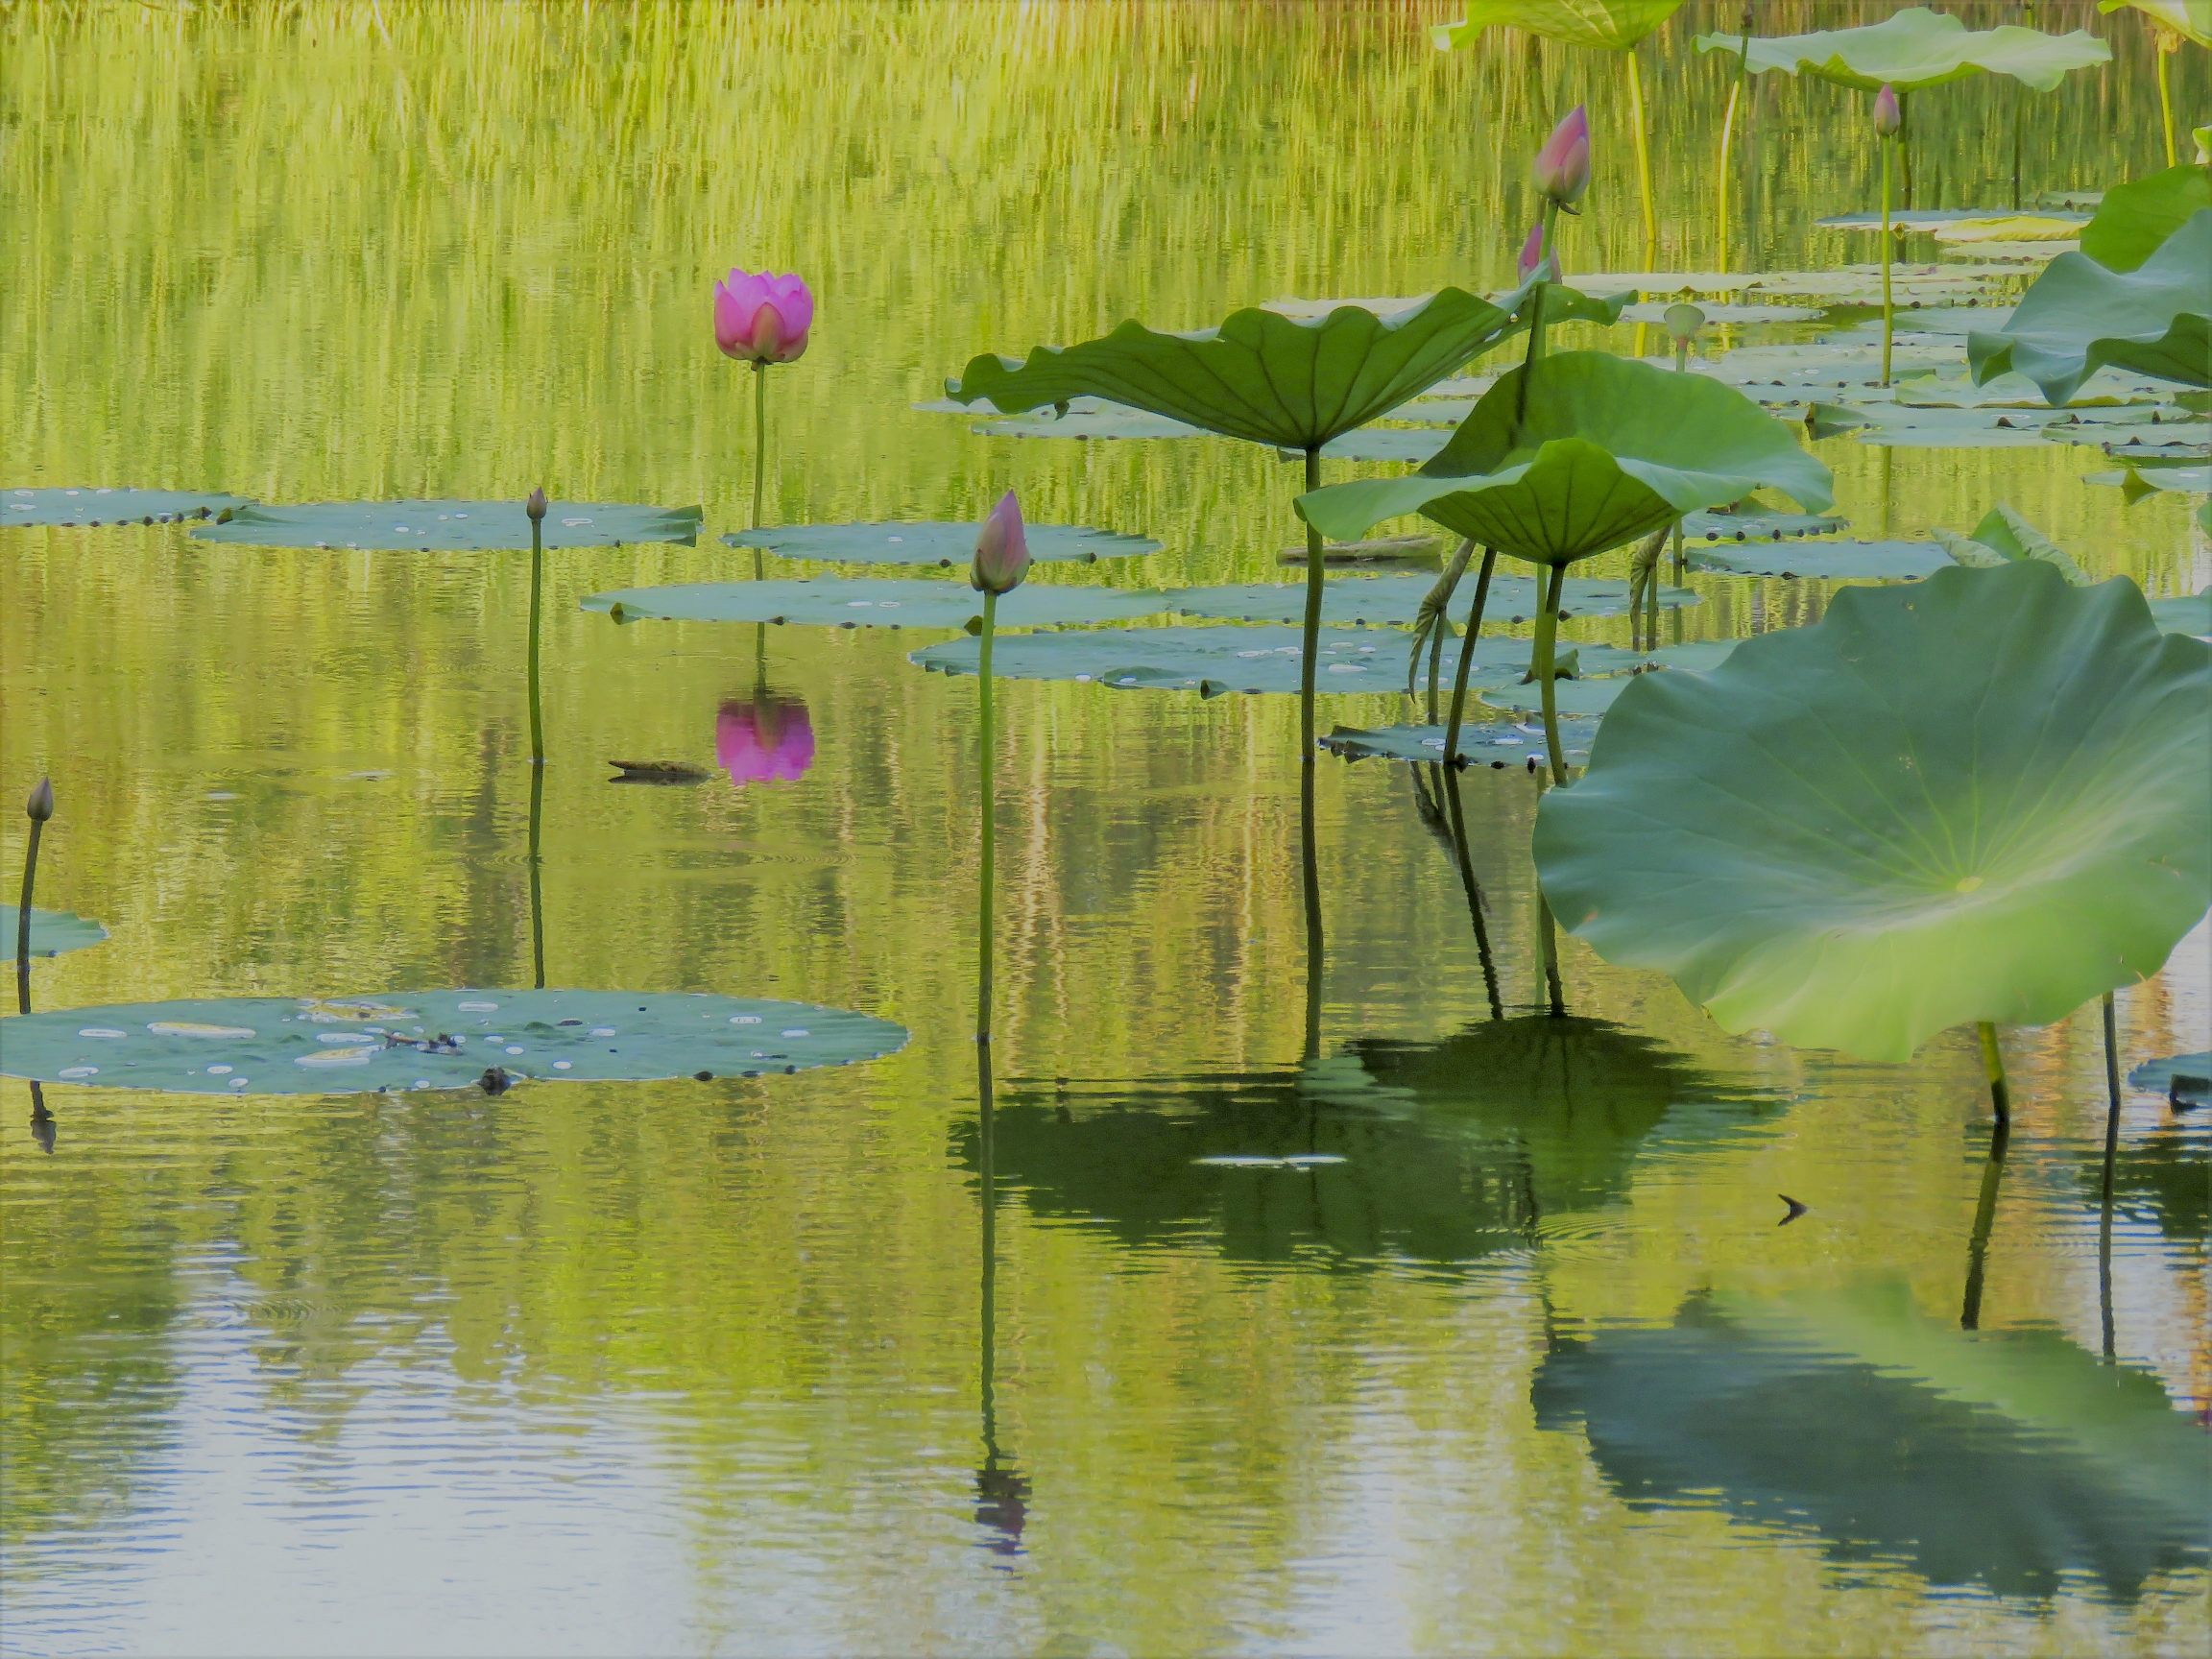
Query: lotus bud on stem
pixel 1684 321
pixel 761 319
pixel 1889 119
pixel 39 809
pixel 1001 561
pixel 2169 42
pixel 536 507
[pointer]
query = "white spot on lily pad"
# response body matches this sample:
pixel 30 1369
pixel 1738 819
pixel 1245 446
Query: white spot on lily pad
pixel 478 1007
pixel 99 1031
pixel 186 1029
pixel 78 1071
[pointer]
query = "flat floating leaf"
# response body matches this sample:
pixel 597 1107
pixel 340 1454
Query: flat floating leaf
pixel 53 932
pixel 1484 742
pixel 1395 600
pixel 1208 661
pixel 1890 559
pixel 2157 1076
pixel 89 507
pixel 2189 614
pixel 1381 444
pixel 1104 421
pixel 871 601
pixel 933 544
pixel 1593 697
pixel 1902 818
pixel 1916 48
pixel 1930 219
pixel 1755 524
pixel 2107 388
pixel 452 526
pixel 355 1045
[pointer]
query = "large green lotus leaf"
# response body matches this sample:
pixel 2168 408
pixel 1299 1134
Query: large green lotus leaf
pixel 874 602
pixel 2003 537
pixel 1260 375
pixel 2078 316
pixel 1615 25
pixel 1827 560
pixel 1607 451
pixel 2134 220
pixel 934 543
pixel 1485 743
pixel 1395 600
pixel 1915 48
pixel 88 507
pixel 1981 798
pixel 2189 613
pixel 2191 19
pixel 1208 661
pixel 452 526
pixel 407 1040
pixel 53 932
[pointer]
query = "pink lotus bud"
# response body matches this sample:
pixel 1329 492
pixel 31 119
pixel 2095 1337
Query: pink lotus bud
pixel 762 319
pixel 1532 256
pixel 1563 164
pixel 1888 117
pixel 536 505
pixel 40 806
pixel 768 740
pixel 1001 549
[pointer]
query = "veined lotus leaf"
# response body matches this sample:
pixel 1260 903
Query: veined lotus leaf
pixel 1208 661
pixel 1484 742
pixel 452 526
pixel 933 544
pixel 1606 451
pixel 1395 600
pixel 1915 48
pixel 2191 19
pixel 407 1040
pixel 1258 375
pixel 1613 25
pixel 2134 220
pixel 1824 560
pixel 53 932
pixel 2157 1076
pixel 1902 818
pixel 2078 316
pixel 1754 523
pixel 874 602
pixel 88 507
pixel 2004 537
pixel 2190 613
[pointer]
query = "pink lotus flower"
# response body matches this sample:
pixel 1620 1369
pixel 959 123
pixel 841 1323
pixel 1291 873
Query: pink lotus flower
pixel 1001 549
pixel 1563 164
pixel 762 319
pixel 768 740
pixel 1533 257
pixel 1888 117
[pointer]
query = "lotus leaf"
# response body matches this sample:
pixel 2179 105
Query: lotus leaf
pixel 1208 661
pixel 2004 537
pixel 2134 220
pixel 880 602
pixel 452 526
pixel 1935 219
pixel 2157 1076
pixel 87 507
pixel 1903 817
pixel 2078 316
pixel 939 543
pixel 1607 451
pixel 1825 560
pixel 1593 697
pixel 1613 25
pixel 1757 524
pixel 1395 600
pixel 1410 446
pixel 1107 421
pixel 2190 613
pixel 1491 743
pixel 2047 233
pixel 53 932
pixel 407 1040
pixel 2167 441
pixel 1698 657
pixel 1258 375
pixel 1915 48
pixel 1717 314
pixel 2191 19
pixel 2107 388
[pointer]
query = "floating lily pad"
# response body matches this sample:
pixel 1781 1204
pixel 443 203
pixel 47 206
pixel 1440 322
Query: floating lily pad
pixel 1485 743
pixel 89 507
pixel 1698 657
pixel 1719 314
pixel 2146 474
pixel 452 526
pixel 871 601
pixel 2191 613
pixel 1592 697
pixel 1757 524
pixel 2003 537
pixel 2157 1076
pixel 2107 388
pixel 1411 445
pixel 934 543
pixel 53 932
pixel 408 1040
pixel 1103 420
pixel 2167 441
pixel 1890 559
pixel 1395 600
pixel 1208 661
pixel 1929 219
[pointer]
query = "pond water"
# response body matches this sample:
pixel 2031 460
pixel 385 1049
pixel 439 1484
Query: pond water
pixel 1516 1360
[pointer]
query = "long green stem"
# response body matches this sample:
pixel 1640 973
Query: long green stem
pixel 1541 660
pixel 23 921
pixel 1984 1222
pixel 537 606
pixel 1993 1066
pixel 1546 933
pixel 1728 133
pixel 1467 655
pixel 1449 782
pixel 2166 105
pixel 1316 572
pixel 2111 1159
pixel 759 457
pixel 1642 162
pixel 987 1171
pixel 988 862
pixel 537 873
pixel 1681 572
pixel 1904 146
pixel 1309 873
pixel 1888 306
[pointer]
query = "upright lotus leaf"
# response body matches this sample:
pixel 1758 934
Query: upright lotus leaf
pixel 53 932
pixel 2191 19
pixel 1273 379
pixel 1916 48
pixel 2079 316
pixel 2134 221
pixel 1612 25
pixel 451 526
pixel 1981 798
pixel 2003 537
pixel 1607 450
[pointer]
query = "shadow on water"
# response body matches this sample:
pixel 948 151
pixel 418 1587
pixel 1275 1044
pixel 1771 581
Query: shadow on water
pixel 1450 1151
pixel 2013 1460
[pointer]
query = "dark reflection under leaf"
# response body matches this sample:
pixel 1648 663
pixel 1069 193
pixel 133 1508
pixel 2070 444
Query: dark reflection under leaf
pixel 2014 1460
pixel 1451 1150
pixel 2163 1180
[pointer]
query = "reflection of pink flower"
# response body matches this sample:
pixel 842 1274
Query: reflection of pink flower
pixel 762 319
pixel 767 741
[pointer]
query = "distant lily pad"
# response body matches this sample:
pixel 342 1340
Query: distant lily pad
pixel 1395 600
pixel 1592 697
pixel 408 1040
pixel 53 932
pixel 1413 445
pixel 1758 524
pixel 89 507
pixel 1101 420
pixel 934 543
pixel 1208 661
pixel 2189 614
pixel 2157 1076
pixel 2106 388
pixel 875 602
pixel 1890 560
pixel 1485 743
pixel 452 526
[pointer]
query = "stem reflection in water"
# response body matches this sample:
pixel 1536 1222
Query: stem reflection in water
pixel 1001 1492
pixel 1310 872
pixel 1448 783
pixel 39 809
pixel 1467 654
pixel 1984 1218
pixel 2104 1184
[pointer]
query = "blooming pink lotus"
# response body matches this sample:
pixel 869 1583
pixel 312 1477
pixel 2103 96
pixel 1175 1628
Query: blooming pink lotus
pixel 1001 549
pixel 1563 165
pixel 767 741
pixel 762 319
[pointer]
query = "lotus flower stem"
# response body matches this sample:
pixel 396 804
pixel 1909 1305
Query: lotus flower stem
pixel 536 875
pixel 1309 873
pixel 759 456
pixel 1993 1064
pixel 1888 249
pixel 987 1195
pixel 1316 569
pixel 537 605
pixel 1457 818
pixel 2111 1158
pixel 1985 1220
pixel 1643 162
pixel 1467 655
pixel 1681 568
pixel 988 862
pixel 1546 931
pixel 2169 43
pixel 1436 621
pixel 1542 660
pixel 37 809
pixel 1728 131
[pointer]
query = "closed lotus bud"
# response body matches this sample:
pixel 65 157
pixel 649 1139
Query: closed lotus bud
pixel 1532 252
pixel 1888 115
pixel 1001 549
pixel 40 806
pixel 1563 165
pixel 536 505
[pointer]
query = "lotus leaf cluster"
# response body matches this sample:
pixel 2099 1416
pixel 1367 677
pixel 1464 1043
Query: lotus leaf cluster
pixel 1916 48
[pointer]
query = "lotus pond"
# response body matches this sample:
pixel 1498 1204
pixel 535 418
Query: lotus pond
pixel 460 1205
